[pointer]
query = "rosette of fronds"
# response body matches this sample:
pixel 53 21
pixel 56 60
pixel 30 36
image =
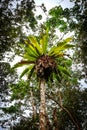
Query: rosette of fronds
pixel 46 63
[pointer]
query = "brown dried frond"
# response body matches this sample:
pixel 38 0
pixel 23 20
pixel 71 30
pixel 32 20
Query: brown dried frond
pixel 45 65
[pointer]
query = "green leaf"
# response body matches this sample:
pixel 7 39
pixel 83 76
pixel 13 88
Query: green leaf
pixel 26 70
pixel 56 11
pixel 69 46
pixel 11 109
pixel 60 47
pixel 57 55
pixel 63 70
pixel 64 42
pixel 51 50
pixel 68 62
pixel 28 57
pixel 35 43
pixel 31 72
pixel 44 42
pixel 22 63
pixel 30 52
pixel 33 49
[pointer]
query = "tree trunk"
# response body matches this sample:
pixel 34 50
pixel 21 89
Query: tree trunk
pixel 42 119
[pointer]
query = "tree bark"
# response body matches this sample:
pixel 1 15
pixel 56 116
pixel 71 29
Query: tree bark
pixel 42 119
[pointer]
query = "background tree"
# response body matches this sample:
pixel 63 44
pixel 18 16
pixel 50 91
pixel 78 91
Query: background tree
pixel 77 18
pixel 7 77
pixel 14 17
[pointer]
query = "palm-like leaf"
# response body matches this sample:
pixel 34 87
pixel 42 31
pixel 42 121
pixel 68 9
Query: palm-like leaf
pixel 32 41
pixel 61 46
pixel 22 63
pixel 27 71
pixel 63 70
pixel 44 42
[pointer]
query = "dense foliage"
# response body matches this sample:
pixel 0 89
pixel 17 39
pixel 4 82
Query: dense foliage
pixel 15 15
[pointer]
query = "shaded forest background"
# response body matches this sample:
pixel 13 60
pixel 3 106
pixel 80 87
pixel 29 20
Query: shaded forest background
pixel 66 101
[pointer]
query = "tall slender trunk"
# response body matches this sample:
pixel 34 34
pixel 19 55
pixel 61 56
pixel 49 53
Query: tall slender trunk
pixel 42 119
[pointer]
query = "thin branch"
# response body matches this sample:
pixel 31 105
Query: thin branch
pixel 66 110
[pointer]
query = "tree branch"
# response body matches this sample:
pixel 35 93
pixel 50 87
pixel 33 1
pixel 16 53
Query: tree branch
pixel 66 110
